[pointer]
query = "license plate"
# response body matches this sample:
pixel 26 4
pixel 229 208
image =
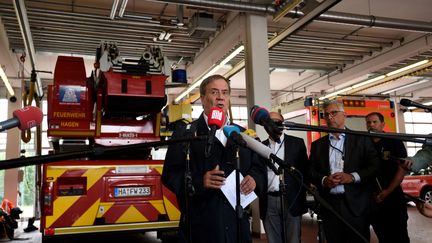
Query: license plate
pixel 132 191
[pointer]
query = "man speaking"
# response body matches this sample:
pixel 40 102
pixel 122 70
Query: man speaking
pixel 211 217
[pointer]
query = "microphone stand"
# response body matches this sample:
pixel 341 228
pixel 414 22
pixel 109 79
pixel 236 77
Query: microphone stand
pixel 37 160
pixel 189 192
pixel 239 208
pixel 282 191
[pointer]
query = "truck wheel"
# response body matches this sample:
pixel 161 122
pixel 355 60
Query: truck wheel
pixel 47 239
pixel 169 236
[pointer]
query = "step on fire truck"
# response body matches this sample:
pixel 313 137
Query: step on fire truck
pixel 119 104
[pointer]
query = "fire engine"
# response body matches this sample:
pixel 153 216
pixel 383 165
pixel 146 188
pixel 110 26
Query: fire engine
pixel 119 104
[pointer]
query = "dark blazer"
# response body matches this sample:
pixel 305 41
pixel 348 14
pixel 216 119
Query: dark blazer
pixel 213 219
pixel 295 155
pixel 360 157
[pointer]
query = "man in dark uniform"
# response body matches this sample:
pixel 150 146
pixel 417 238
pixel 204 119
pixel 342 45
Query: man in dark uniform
pixel 212 218
pixel 389 217
pixel 343 168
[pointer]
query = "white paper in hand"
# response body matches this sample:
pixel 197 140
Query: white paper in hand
pixel 229 190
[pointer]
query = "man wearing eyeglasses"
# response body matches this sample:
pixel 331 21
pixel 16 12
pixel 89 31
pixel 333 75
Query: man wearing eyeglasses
pixel 293 151
pixel 343 168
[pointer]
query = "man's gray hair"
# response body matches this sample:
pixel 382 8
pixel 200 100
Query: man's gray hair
pixel 339 105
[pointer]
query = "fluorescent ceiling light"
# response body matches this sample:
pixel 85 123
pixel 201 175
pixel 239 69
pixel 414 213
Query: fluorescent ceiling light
pixel 368 81
pixel 336 93
pixel 6 82
pixel 212 71
pixel 231 56
pixel 406 86
pixel 122 8
pixel 162 35
pixel 114 9
pixel 407 67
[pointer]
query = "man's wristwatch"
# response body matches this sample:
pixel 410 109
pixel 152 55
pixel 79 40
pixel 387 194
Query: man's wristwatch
pixel 352 178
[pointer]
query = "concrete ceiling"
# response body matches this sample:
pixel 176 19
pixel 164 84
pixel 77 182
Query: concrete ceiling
pixel 352 41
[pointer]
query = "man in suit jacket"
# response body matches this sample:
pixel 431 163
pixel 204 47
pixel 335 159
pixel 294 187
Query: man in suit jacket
pixel 293 151
pixel 212 218
pixel 343 167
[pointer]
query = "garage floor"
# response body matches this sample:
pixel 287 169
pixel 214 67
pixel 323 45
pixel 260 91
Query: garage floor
pixel 419 228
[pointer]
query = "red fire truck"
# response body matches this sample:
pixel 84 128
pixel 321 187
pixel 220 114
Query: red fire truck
pixel 119 106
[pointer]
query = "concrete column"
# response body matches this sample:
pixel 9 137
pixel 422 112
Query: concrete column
pixel 257 85
pixel 257 66
pixel 13 147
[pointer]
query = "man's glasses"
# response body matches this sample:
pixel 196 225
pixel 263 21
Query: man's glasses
pixel 331 113
pixel 216 92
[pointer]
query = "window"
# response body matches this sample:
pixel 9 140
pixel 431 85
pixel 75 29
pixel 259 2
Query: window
pixel 417 123
pixel 239 113
pixel 27 187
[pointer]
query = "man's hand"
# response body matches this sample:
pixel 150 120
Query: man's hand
pixel 344 178
pixel 214 179
pixel 247 185
pixel 331 181
pixel 381 196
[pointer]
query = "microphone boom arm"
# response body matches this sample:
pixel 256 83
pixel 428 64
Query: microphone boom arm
pixel 37 160
pixel 416 138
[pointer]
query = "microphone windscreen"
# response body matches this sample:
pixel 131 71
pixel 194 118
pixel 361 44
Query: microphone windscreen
pixel 258 114
pixel 28 117
pixel 216 117
pixel 228 130
pixel 405 102
pixel 251 133
pixel 256 146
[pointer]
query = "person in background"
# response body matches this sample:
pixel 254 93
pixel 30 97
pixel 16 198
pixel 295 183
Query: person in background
pixel 212 218
pixel 343 167
pixel 389 217
pixel 293 151
pixel 421 160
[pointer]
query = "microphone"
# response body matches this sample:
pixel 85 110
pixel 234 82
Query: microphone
pixel 215 121
pixel 257 147
pixel 407 102
pixel 252 133
pixel 24 118
pixel 233 132
pixel 261 116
